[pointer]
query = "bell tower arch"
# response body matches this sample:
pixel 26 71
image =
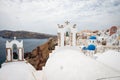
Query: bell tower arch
pixel 67 34
pixel 10 49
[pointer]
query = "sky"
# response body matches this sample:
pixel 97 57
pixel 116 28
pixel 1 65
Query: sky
pixel 44 15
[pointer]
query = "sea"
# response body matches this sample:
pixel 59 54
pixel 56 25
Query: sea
pixel 28 44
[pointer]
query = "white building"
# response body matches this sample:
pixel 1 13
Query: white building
pixel 20 70
pixel 68 63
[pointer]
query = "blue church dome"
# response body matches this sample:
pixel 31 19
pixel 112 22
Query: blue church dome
pixel 84 48
pixel 91 47
pixel 92 37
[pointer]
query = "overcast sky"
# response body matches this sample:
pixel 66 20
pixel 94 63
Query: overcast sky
pixel 44 15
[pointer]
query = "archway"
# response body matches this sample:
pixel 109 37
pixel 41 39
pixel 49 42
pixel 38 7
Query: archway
pixel 67 36
pixel 15 51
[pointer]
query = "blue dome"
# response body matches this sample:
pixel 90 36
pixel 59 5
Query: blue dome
pixel 92 37
pixel 91 47
pixel 84 48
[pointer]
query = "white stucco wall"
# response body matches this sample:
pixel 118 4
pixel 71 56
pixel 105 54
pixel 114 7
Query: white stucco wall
pixel 8 55
pixel 10 44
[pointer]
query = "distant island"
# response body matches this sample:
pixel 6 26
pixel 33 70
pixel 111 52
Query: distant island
pixel 24 34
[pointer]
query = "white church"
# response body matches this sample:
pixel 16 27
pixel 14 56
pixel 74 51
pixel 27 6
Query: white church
pixel 66 62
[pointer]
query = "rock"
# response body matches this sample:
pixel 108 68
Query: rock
pixel 40 54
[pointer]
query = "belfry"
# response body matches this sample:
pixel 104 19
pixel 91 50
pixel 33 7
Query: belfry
pixel 10 50
pixel 67 34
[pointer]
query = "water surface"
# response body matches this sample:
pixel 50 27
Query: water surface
pixel 28 44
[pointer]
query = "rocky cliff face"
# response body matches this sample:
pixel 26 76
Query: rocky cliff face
pixel 23 34
pixel 40 54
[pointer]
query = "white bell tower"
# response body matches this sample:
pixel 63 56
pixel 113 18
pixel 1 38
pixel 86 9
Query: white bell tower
pixel 9 50
pixel 67 34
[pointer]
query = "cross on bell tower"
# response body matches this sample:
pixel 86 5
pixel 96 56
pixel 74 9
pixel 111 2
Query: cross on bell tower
pixel 67 22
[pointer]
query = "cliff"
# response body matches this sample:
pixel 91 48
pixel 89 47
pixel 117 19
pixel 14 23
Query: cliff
pixel 40 54
pixel 23 34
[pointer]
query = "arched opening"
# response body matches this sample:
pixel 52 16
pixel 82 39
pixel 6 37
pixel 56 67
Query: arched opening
pixel 68 32
pixel 67 36
pixel 15 51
